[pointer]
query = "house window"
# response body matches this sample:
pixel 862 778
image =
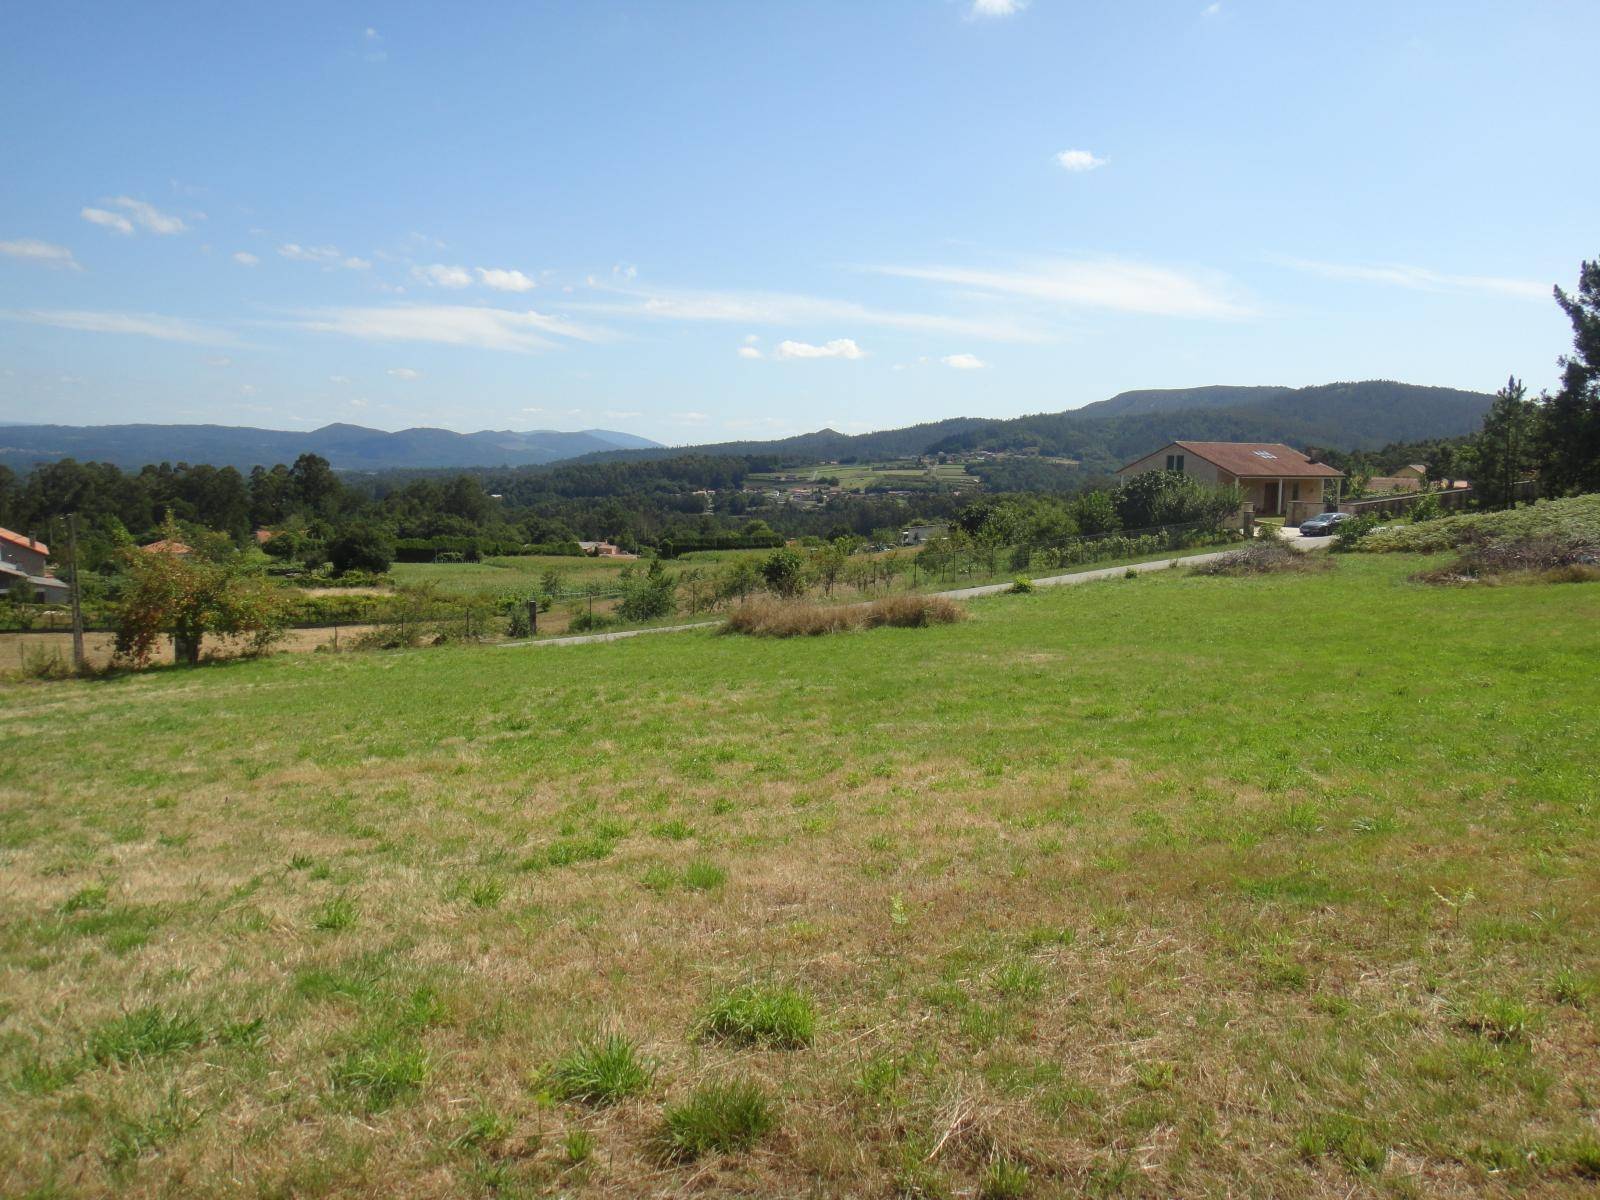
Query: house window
pixel 1297 491
pixel 1174 462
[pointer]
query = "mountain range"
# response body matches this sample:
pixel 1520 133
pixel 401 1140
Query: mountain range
pixel 347 447
pixel 1345 416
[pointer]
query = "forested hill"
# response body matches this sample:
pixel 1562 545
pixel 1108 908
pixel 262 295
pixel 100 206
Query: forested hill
pixel 347 447
pixel 1104 435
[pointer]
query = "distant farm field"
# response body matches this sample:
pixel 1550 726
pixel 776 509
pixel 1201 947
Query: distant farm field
pixel 1282 886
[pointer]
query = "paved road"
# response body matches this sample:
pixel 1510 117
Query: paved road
pixel 990 589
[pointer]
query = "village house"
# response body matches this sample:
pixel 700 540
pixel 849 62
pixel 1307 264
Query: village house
pixel 603 550
pixel 1272 476
pixel 23 573
pixel 917 535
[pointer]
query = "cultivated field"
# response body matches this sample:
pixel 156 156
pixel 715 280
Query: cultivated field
pixel 1279 886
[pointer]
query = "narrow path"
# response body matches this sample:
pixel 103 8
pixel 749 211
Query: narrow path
pixel 988 589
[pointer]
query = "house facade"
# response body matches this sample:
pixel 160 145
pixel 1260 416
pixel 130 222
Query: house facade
pixel 1272 476
pixel 22 569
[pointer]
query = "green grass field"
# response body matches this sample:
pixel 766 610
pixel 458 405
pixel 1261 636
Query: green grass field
pixel 1281 886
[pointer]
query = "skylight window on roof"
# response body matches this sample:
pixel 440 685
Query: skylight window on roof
pixel 1263 454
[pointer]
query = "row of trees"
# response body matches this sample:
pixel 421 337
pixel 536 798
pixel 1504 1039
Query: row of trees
pixel 1554 438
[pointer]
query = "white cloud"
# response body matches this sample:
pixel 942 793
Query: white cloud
pixel 111 220
pixel 371 34
pixel 996 8
pixel 44 253
pixel 749 352
pixel 312 254
pixel 777 308
pixel 247 389
pixel 837 348
pixel 245 259
pixel 1080 160
pixel 442 276
pixel 221 360
pixel 964 362
pixel 406 373
pixel 503 279
pixel 1105 283
pixel 356 264
pixel 167 329
pixel 148 216
pixel 1211 10
pixel 450 325
pixel 750 339
pixel 1423 279
pixel 340 379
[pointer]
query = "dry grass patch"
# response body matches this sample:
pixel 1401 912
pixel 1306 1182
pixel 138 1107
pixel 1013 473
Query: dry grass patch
pixel 792 618
pixel 1269 556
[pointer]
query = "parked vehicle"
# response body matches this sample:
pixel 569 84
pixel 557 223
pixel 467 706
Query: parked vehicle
pixel 1323 524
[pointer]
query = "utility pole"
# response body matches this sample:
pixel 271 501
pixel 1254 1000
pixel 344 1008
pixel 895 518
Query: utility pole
pixel 77 595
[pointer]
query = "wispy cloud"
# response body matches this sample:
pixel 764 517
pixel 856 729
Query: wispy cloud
pixel 450 325
pixel 1080 160
pixel 1422 278
pixel 245 259
pixel 964 362
pixel 787 309
pixel 135 212
pixel 405 373
pixel 837 348
pixel 1211 10
pixel 1106 283
pixel 749 352
pixel 110 220
pixel 167 329
pixel 996 8
pixel 324 256
pixel 45 254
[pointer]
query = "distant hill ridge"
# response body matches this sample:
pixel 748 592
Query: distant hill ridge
pixel 1345 416
pixel 347 447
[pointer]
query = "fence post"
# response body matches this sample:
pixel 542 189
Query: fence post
pixel 533 617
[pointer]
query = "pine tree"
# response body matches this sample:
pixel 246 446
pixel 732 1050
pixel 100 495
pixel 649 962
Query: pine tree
pixel 1569 440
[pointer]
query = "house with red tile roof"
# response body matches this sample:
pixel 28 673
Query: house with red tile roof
pixel 1271 475
pixel 23 570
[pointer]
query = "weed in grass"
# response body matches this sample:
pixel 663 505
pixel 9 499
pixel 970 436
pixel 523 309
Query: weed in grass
pixel 1153 1076
pixel 1499 1018
pixel 602 1071
pixel 484 1127
pixel 878 1077
pixel 1351 1140
pixel 335 914
pixel 88 899
pixel 723 1116
pixel 144 1033
pixel 569 851
pixel 482 892
pixel 1568 987
pixel 779 1016
pixel 1020 979
pixel 673 831
pixel 129 1138
pixel 377 1075
pixel 702 876
pixel 1003 1179
pixel 577 1147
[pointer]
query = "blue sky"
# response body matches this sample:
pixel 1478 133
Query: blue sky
pixel 714 220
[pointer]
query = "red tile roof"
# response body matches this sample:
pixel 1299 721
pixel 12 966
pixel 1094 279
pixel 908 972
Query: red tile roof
pixel 1256 460
pixel 7 535
pixel 167 547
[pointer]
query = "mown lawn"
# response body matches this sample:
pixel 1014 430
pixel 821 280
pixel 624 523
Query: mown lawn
pixel 1168 886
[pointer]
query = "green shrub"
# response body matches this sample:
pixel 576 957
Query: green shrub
pixel 780 1017
pixel 1020 586
pixel 719 1116
pixel 589 621
pixel 602 1071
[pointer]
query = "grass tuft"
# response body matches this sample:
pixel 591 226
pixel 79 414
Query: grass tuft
pixel 724 1117
pixel 779 1017
pixel 337 913
pixel 144 1033
pixel 602 1071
